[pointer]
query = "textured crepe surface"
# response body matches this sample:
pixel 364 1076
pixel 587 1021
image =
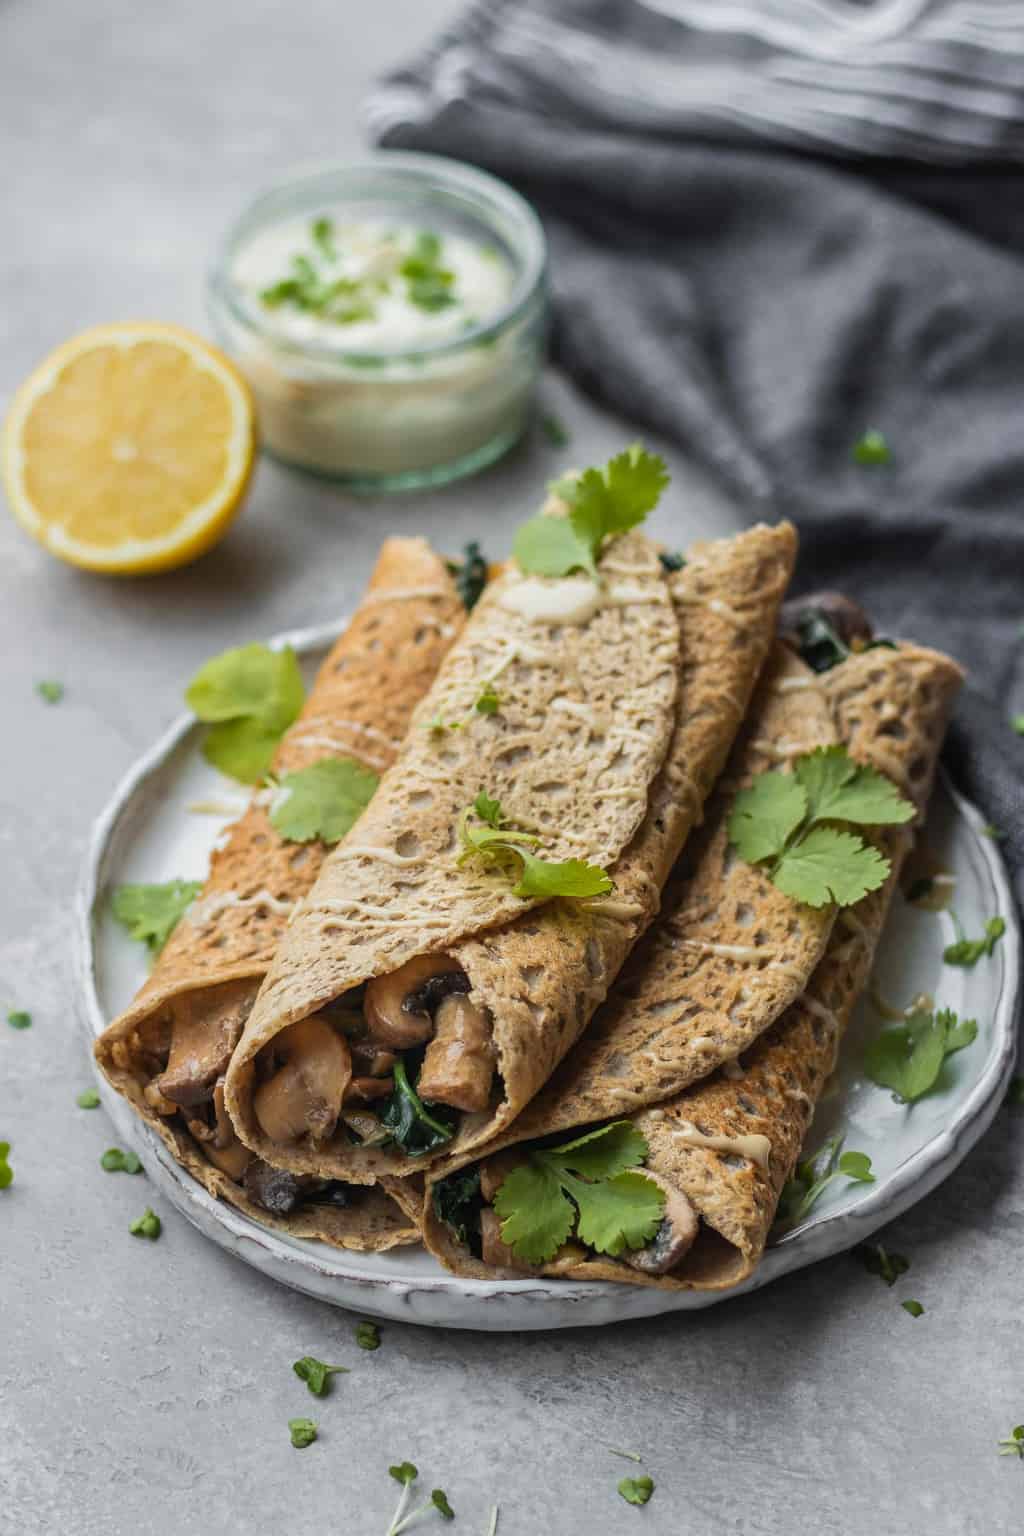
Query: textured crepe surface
pixel 359 707
pixel 891 708
pixel 542 976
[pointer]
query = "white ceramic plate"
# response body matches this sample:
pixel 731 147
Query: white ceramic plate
pixel 148 833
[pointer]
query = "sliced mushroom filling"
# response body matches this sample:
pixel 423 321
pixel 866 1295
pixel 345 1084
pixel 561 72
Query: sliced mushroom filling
pixel 281 1192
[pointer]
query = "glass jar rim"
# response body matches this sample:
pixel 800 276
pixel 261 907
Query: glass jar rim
pixel 436 174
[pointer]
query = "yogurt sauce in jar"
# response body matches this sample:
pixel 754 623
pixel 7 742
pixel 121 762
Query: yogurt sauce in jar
pixel 387 348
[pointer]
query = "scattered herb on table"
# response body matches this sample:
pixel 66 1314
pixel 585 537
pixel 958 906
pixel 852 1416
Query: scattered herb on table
pixel 913 1307
pixel 636 1490
pixel 116 1161
pixel 813 1176
pixel 879 1261
pixel 908 1059
pixel 404 1115
pixel 470 576
pixel 88 1099
pixel 368 1336
pixel 248 696
pixel 6 1171
pixel 439 1499
pixel 671 560
pixel 488 701
pixel 967 952
pixel 303 1432
pixel 555 430
pixel 1015 1092
pixel 152 912
pixel 1013 1445
pixel 493 840
pixel 19 1019
pixel 147 1225
pixel 872 448
pixel 406 1474
pixel 626 1455
pixel 591 1184
pixel 783 820
pixel 51 692
pixel 601 502
pixel 316 1374
pixel 322 231
pixel 1017 723
pixel 322 801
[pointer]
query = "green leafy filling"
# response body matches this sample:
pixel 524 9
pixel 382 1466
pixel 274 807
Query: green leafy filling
pixel 152 912
pixel 458 1202
pixel 416 1129
pixel 322 801
pixel 909 1059
pixel 601 502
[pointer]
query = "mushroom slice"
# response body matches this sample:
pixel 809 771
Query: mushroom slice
pixel 398 1007
pixel 362 1090
pixel 304 1095
pixel 224 1149
pixel 675 1236
pixel 369 1060
pixel 205 1029
pixel 458 1066
pixel 846 617
pixel 275 1189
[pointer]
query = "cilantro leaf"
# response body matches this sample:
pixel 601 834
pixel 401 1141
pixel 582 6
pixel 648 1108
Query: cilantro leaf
pixel 322 801
pixel 572 878
pixel 249 696
pixel 908 1059
pixel 878 1261
pixel 6 1171
pixel 18 1018
pixel 51 692
pixel 152 912
pixel 764 816
pixel 303 1432
pixel 636 1490
pixel 488 810
pixel 813 1176
pixel 470 576
pixel 828 865
pixel 88 1099
pixel 316 1374
pixel 913 1307
pixel 488 701
pixel 601 502
pixel 241 749
pixel 498 844
pixel 550 546
pixel 404 1473
pixel 1013 1445
pixel 439 1499
pixel 116 1161
pixel 590 1181
pixel 368 1336
pixel 967 952
pixel 147 1225
pixel 839 789
pixel 872 448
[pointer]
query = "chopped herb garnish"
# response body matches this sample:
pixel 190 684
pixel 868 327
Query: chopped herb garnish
pixel 555 431
pixel 627 1455
pixel 1018 724
pixel 782 819
pixel 88 1099
pixel 147 1225
pixel 19 1019
pixel 303 1432
pixel 368 1336
pixel 498 844
pixel 6 1171
pixel 602 502
pixel 1015 1092
pixel 872 448
pixel 428 284
pixel 913 1307
pixel 439 1499
pixel 879 1261
pixel 636 1490
pixel 908 1059
pixel 488 702
pixel 470 576
pixel 51 692
pixel 322 231
pixel 671 560
pixel 248 696
pixel 995 833
pixel 322 801
pixel 152 912
pixel 438 723
pixel 404 1115
pixel 316 1374
pixel 404 1473
pixel 116 1161
pixel 1013 1445
pixel 591 1184
pixel 813 1176
pixel 967 952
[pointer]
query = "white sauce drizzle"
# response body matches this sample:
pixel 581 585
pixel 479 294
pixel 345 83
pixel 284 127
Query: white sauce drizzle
pixel 780 750
pixel 756 1149
pixel 620 594
pixel 796 684
pixel 728 951
pixel 819 1011
pixel 226 807
pixel 619 910
pixel 365 851
pixel 202 913
pixel 332 744
pixel 568 600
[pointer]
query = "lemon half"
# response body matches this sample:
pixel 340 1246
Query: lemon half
pixel 129 448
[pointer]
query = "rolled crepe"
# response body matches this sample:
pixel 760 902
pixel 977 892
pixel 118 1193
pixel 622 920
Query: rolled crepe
pixel 588 716
pixel 206 978
pixel 729 1142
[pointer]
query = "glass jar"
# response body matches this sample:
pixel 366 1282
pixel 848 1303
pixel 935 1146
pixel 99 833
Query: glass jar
pixel 391 416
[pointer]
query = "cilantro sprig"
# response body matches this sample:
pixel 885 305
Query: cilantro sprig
pixel 406 1474
pixel 786 820
pixel 879 1261
pixel 967 952
pixel 248 696
pixel 152 912
pixel 316 1374
pixel 590 1184
pixel 490 837
pixel 813 1176
pixel 601 502
pixel 322 801
pixel 909 1058
pixel 1013 1445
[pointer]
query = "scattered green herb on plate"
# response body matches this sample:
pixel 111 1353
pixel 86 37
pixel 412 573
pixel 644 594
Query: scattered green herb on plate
pixel 813 1176
pixel 368 1336
pixel 116 1161
pixel 17 1018
pixel 636 1490
pixel 908 1059
pixel 913 1307
pixel 967 952
pixel 322 801
pixel 590 1184
pixel 6 1171
pixel 51 692
pixel 152 912
pixel 601 502
pixel 879 1261
pixel 303 1432
pixel 88 1099
pixel 872 448
pixel 1013 1445
pixel 785 819
pixel 498 844
pixel 316 1374
pixel 147 1225
pixel 248 696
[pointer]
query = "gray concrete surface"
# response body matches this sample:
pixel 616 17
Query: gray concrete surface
pixel 146 1388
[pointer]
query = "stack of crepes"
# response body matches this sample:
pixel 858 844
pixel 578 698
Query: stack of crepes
pixel 427 1000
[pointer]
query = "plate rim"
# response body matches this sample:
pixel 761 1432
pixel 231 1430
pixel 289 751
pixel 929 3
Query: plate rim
pixel 297 1266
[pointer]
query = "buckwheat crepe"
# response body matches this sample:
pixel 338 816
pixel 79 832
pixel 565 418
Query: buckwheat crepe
pixel 588 716
pixel 168 1052
pixel 724 1147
